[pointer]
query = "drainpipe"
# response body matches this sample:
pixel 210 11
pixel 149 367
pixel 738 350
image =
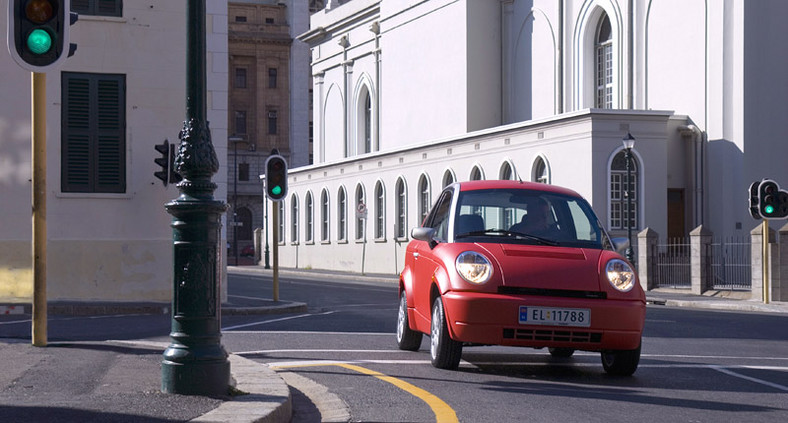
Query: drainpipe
pixel 698 138
pixel 561 57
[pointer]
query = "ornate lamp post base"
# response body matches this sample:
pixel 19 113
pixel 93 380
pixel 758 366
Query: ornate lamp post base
pixel 196 362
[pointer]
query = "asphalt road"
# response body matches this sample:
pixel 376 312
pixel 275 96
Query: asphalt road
pixel 705 366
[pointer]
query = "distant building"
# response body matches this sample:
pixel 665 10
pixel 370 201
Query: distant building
pixel 109 236
pixel 268 104
pixel 410 96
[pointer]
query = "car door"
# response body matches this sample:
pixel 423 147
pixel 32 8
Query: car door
pixel 425 263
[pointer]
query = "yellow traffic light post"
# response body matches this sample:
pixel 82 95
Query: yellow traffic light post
pixel 38 41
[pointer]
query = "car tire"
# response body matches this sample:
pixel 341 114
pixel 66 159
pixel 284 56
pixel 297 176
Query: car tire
pixel 621 362
pixel 445 353
pixel 561 352
pixel 407 338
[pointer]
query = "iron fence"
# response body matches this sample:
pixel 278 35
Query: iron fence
pixel 671 263
pixel 729 264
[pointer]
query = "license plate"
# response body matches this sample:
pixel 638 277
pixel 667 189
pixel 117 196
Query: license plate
pixel 555 316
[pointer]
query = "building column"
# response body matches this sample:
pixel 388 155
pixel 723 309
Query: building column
pixel 700 259
pixel 647 246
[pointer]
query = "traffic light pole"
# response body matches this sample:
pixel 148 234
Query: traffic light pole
pixel 765 262
pixel 275 233
pixel 196 363
pixel 39 168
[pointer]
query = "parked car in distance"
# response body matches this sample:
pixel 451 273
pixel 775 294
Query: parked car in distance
pixel 518 264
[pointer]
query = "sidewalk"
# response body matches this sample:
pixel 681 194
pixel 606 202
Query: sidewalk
pixel 119 381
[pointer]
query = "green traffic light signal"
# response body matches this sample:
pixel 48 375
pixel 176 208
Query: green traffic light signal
pixel 39 41
pixel 276 190
pixel 768 209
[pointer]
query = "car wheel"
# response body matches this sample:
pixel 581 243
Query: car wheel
pixel 407 339
pixel 561 352
pixel 444 351
pixel 621 362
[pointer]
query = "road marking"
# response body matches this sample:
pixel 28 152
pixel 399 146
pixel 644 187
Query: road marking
pixel 264 322
pixel 443 413
pixel 745 377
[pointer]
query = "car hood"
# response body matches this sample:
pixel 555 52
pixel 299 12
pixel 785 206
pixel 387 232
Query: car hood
pixel 543 267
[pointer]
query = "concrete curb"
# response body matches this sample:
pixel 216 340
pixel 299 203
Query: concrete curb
pixel 265 396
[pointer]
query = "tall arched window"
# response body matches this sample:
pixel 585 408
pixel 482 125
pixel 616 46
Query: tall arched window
pixel 281 206
pixel 380 211
pixel 540 172
pixel 603 64
pixel 359 221
pixel 324 216
pixel 401 209
pixel 294 218
pixel 309 216
pixel 244 216
pixel 367 130
pixel 507 173
pixel 448 178
pixel 424 197
pixel 342 214
pixel 364 120
pixel 476 174
pixel 620 188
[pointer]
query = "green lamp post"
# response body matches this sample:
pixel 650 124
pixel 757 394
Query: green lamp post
pixel 195 363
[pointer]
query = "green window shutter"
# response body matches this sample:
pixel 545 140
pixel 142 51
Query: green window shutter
pixel 98 7
pixel 93 133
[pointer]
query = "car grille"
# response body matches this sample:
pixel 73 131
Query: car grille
pixel 552 335
pixel 544 292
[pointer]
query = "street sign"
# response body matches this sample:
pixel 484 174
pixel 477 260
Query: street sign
pixel 361 210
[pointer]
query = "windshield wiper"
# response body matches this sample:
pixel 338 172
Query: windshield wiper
pixel 504 232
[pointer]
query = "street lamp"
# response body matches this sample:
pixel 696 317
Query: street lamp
pixel 265 222
pixel 235 140
pixel 629 143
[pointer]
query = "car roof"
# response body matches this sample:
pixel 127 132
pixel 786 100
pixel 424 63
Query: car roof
pixel 508 184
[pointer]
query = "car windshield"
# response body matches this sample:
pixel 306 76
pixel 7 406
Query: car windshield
pixel 528 217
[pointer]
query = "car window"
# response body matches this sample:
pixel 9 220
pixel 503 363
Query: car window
pixel 526 216
pixel 439 217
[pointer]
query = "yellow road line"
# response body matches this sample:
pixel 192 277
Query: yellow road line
pixel 443 413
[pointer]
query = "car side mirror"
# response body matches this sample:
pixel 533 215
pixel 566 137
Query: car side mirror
pixel 424 234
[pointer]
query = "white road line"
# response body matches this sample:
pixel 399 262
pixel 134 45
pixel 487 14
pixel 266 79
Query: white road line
pixel 294 332
pixel 750 378
pixel 264 322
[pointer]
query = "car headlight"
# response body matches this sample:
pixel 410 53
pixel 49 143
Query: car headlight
pixel 473 267
pixel 621 275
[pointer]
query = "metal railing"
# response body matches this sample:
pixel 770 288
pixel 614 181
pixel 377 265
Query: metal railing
pixel 730 264
pixel 671 263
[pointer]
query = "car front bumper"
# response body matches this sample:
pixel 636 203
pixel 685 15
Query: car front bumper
pixel 493 319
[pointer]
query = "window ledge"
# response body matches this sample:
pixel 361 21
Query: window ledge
pixel 97 18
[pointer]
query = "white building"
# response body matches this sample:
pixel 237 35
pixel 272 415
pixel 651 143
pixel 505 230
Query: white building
pixel 410 95
pixel 109 237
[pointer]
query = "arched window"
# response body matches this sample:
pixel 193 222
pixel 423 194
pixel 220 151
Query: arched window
pixel 359 204
pixel 324 216
pixel 401 209
pixel 540 172
pixel 293 218
pixel 620 188
pixel 507 173
pixel 342 214
pixel 244 216
pixel 308 218
pixel 424 197
pixel 281 206
pixel 603 64
pixel 448 178
pixel 477 174
pixel 380 211
pixel 366 122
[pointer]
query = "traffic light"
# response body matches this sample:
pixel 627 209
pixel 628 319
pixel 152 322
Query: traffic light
pixel 38 33
pixel 772 202
pixel 276 177
pixel 167 173
pixel 754 200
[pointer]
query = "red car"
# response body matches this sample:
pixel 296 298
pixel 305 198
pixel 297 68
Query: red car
pixel 518 264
